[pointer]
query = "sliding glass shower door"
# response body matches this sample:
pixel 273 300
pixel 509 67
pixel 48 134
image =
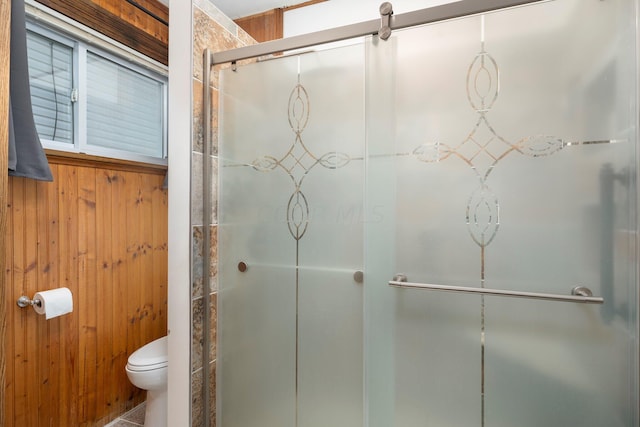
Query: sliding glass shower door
pixel 291 206
pixel 382 203
pixel 502 155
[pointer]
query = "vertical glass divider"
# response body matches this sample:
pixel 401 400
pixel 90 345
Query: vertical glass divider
pixel 206 253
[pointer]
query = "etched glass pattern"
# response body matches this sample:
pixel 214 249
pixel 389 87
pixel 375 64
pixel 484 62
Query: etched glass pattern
pixel 301 239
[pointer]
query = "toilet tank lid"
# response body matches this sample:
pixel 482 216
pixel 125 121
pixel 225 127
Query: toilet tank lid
pixel 155 352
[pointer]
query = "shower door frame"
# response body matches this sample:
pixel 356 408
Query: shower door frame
pixel 456 9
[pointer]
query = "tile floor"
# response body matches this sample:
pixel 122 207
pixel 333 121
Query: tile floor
pixel 133 418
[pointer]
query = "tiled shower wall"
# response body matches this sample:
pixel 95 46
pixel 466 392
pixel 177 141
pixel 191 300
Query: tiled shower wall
pixel 213 30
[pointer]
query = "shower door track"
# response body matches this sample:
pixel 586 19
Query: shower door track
pixel 444 12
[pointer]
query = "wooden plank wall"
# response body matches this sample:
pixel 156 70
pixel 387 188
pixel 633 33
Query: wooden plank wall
pixel 5 21
pixel 140 24
pixel 264 26
pixel 101 232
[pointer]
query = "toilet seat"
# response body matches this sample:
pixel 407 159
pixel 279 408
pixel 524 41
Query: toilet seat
pixel 145 368
pixel 149 357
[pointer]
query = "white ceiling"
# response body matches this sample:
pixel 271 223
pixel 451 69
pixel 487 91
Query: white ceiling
pixel 240 8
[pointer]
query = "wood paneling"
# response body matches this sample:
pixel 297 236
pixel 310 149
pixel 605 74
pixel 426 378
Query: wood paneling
pixel 103 234
pixel 264 26
pixel 136 27
pixel 150 16
pixel 80 159
pixel 5 21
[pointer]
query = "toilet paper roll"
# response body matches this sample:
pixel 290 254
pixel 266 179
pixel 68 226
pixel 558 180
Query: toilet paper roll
pixel 54 303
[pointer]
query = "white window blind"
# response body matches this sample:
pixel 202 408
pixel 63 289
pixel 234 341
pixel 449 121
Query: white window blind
pixel 51 77
pixel 124 108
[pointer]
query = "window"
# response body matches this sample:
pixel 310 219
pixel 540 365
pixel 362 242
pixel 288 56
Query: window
pixel 87 100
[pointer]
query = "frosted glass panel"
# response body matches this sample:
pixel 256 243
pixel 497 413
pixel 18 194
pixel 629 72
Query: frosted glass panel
pixel 291 208
pixel 549 363
pixel 330 253
pixel 256 309
pixel 512 142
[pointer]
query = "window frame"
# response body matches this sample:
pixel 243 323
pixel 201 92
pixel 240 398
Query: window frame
pixel 81 47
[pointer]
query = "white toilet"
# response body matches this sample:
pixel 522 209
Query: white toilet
pixel 147 369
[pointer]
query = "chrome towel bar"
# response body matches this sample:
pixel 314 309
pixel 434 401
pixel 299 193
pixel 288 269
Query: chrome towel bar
pixel 579 294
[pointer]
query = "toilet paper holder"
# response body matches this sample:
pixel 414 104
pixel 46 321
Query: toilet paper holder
pixel 25 301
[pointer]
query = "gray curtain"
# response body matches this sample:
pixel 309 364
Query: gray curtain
pixel 26 156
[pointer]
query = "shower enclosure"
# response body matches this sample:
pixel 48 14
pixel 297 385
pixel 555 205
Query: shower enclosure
pixel 437 229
